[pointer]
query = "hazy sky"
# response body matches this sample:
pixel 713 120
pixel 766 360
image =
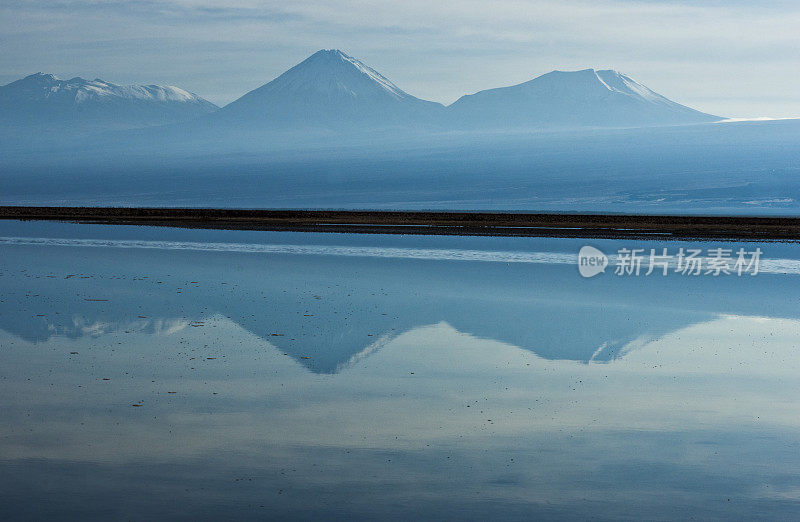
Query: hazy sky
pixel 731 58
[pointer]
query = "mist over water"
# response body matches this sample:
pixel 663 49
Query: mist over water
pixel 745 168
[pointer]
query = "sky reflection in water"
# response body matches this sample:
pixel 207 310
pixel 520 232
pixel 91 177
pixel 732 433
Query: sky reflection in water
pixel 275 384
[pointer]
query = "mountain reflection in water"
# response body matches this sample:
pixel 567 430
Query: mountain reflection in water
pixel 207 385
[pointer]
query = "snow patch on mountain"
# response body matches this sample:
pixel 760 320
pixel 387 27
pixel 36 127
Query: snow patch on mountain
pixel 371 74
pixel 49 86
pixel 618 82
pixel 49 103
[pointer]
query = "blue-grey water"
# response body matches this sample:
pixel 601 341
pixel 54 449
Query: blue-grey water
pixel 153 373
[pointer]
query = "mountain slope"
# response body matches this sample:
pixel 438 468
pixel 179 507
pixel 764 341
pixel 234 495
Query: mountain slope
pixel 572 99
pixel 42 100
pixel 329 90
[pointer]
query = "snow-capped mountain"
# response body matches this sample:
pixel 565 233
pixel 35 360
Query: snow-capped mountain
pixel 572 99
pixel 329 90
pixel 44 100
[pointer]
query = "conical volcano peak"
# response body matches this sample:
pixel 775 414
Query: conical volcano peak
pixel 328 65
pixel 329 89
pixel 329 54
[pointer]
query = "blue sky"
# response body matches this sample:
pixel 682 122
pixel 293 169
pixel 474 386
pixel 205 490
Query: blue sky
pixel 731 58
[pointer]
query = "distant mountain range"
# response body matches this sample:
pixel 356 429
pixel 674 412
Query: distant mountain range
pixel 42 100
pixel 333 91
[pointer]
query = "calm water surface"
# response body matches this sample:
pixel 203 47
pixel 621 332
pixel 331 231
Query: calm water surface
pixel 151 373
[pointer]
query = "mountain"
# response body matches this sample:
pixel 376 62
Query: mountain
pixel 329 90
pixel 335 91
pixel 44 101
pixel 587 98
pixel 330 95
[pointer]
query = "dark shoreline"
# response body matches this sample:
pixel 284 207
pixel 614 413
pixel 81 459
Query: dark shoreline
pixel 602 226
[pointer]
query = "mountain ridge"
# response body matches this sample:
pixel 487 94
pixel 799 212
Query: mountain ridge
pixel 335 92
pixel 45 100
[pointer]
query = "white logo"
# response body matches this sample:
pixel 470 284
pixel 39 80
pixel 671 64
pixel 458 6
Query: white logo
pixel 687 262
pixel 591 261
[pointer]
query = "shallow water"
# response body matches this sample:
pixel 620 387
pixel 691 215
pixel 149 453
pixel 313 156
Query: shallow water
pixel 158 373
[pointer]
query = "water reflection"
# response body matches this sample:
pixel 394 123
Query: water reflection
pixel 461 425
pixel 308 386
pixel 326 311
